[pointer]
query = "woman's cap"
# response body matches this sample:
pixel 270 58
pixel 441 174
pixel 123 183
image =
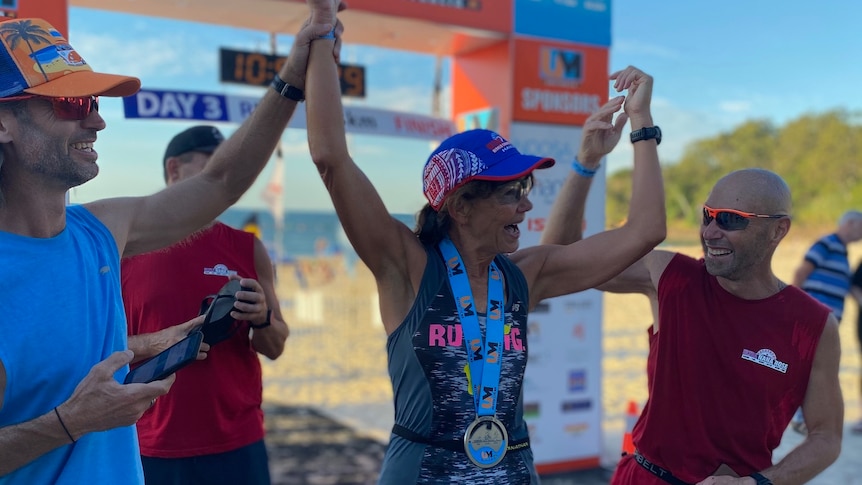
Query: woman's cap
pixel 36 59
pixel 474 155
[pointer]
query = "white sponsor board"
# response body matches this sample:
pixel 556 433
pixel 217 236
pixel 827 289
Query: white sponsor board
pixel 562 389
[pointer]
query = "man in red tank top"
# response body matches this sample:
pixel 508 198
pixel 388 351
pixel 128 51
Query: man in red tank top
pixel 209 427
pixel 734 350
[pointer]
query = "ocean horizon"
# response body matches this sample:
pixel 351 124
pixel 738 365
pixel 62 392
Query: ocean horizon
pixel 305 233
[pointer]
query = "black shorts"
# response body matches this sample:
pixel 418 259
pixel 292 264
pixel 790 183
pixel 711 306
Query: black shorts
pixel 246 465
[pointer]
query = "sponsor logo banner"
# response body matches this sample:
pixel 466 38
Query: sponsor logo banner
pixel 576 405
pixel 577 428
pixel 558 82
pixel 564 349
pixel 577 380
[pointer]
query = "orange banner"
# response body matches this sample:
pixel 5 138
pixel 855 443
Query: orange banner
pixel 56 12
pixel 495 15
pixel 558 82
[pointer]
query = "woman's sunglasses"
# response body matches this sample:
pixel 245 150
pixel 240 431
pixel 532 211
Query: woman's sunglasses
pixel 512 192
pixel 65 108
pixel 733 220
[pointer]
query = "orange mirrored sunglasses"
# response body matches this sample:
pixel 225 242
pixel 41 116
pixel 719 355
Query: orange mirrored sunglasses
pixel 65 108
pixel 732 219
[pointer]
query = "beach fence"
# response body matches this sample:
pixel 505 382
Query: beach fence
pixel 336 353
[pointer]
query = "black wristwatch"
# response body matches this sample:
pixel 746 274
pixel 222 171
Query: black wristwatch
pixel 647 133
pixel 265 323
pixel 286 90
pixel 760 479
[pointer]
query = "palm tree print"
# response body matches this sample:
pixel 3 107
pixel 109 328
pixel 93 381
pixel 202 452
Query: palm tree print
pixel 24 30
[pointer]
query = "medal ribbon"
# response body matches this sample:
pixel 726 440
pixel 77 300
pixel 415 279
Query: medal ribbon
pixel 485 360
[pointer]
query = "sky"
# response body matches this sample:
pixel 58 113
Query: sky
pixel 715 64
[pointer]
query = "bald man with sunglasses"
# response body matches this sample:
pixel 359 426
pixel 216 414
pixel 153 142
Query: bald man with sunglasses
pixel 733 350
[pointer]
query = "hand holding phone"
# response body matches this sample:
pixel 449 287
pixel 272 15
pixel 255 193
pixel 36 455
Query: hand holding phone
pixel 167 362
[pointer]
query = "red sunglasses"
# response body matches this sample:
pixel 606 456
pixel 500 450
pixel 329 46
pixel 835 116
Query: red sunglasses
pixel 65 108
pixel 733 220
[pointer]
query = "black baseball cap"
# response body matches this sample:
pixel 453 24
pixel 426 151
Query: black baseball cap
pixel 203 138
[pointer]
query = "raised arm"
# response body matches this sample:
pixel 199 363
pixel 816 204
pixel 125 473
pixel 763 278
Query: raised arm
pixel 388 247
pixel 600 135
pixel 141 224
pixel 598 138
pixel 557 270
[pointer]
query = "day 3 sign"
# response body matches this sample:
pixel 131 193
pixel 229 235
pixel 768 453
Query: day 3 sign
pixel 184 105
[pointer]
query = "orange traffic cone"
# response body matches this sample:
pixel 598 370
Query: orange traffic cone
pixel 631 419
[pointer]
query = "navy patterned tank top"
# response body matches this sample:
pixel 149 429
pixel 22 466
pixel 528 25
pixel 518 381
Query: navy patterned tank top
pixel 427 362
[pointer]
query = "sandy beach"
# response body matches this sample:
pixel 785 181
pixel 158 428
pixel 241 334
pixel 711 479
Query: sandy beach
pixel 335 360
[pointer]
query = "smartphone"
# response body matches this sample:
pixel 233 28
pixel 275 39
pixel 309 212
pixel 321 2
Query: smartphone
pixel 167 362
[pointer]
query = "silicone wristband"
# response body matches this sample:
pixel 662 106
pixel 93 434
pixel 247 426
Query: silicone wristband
pixel 584 171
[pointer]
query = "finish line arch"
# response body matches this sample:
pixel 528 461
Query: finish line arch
pixel 532 70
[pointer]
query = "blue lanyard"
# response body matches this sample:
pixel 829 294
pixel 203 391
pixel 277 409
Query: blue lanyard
pixel 485 360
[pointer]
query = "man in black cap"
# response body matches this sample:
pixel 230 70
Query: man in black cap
pixel 197 139
pixel 209 427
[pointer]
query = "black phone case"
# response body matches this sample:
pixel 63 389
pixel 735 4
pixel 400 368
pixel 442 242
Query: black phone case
pixel 163 368
pixel 218 324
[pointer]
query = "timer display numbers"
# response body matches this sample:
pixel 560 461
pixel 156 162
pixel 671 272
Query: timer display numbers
pixel 258 69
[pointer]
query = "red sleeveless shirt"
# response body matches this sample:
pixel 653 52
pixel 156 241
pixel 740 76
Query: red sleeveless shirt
pixel 214 405
pixel 725 376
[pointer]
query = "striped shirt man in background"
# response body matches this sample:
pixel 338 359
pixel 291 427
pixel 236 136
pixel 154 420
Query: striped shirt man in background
pixel 825 274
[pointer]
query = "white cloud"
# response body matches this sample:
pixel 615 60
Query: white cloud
pixel 147 56
pixel 404 98
pixel 640 49
pixel 737 106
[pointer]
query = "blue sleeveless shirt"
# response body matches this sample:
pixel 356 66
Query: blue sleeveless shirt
pixel 427 359
pixel 63 313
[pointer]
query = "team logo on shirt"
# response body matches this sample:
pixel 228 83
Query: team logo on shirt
pixel 766 358
pixel 219 270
